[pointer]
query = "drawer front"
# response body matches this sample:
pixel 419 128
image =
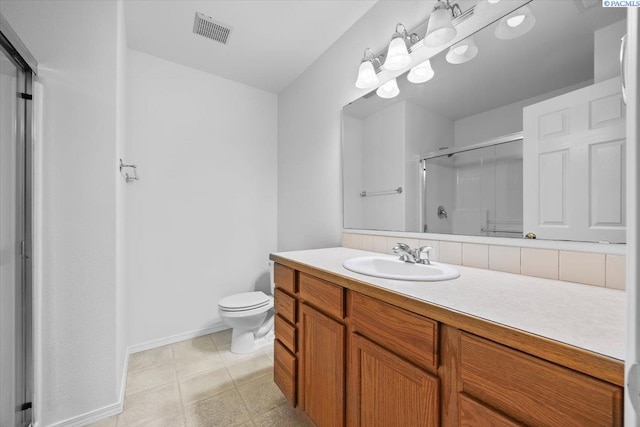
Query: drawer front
pixel 534 391
pixel 285 278
pixel 474 414
pixel 407 334
pixel 324 295
pixel 285 371
pixel 285 333
pixel 285 305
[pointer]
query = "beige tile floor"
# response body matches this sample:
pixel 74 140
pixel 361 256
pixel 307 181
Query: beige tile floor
pixel 199 382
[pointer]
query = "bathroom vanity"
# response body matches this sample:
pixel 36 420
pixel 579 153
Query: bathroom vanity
pixel 486 349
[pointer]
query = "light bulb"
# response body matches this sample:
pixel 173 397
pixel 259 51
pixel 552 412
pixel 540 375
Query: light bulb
pixel 389 89
pixel 516 24
pixel 493 1
pixel 421 73
pixel 367 77
pixel 514 21
pixel 463 51
pixel 460 50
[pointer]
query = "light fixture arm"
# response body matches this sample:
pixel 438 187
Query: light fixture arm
pixel 409 39
pixel 446 4
pixel 370 56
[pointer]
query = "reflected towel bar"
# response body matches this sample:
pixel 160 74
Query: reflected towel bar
pixel 381 193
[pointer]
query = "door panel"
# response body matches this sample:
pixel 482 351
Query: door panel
pixel 632 83
pixel 574 165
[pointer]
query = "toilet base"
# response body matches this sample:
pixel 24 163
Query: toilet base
pixel 243 341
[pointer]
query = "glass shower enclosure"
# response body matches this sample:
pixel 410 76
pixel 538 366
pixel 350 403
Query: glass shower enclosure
pixel 474 190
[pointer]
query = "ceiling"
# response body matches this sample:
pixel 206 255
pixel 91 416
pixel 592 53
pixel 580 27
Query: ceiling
pixel 271 42
pixel 557 53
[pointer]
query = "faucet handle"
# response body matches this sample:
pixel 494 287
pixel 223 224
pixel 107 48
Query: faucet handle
pixel 401 248
pixel 423 254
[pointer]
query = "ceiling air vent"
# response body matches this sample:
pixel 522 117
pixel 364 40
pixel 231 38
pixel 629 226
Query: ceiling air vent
pixel 207 27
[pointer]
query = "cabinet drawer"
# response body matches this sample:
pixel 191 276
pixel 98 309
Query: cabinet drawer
pixel 534 391
pixel 285 333
pixel 285 278
pixel 284 371
pixel 324 295
pixel 285 305
pixel 407 334
pixel 474 414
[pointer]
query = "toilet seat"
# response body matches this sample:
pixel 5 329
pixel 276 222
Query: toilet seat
pixel 246 301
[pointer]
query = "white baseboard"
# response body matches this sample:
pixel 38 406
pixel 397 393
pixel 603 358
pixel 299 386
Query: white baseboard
pixel 116 408
pixel 91 416
pixel 216 327
pixel 123 382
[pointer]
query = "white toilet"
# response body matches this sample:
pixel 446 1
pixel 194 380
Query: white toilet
pixel 250 316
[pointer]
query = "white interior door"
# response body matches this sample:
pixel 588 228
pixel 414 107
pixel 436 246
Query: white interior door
pixel 574 165
pixel 632 82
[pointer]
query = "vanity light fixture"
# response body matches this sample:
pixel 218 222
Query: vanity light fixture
pixel 398 53
pixel 440 29
pixel 367 77
pixel 516 24
pixel 463 51
pixel 389 89
pixel 421 73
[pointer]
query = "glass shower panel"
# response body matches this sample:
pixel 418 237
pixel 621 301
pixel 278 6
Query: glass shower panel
pixel 10 239
pixel 475 193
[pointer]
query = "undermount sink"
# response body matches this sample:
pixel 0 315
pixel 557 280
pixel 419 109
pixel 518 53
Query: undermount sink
pixel 388 267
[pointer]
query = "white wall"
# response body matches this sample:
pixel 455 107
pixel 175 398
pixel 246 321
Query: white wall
pixel 76 46
pixel 309 167
pixel 606 57
pixel 352 176
pixel 201 220
pixel 383 168
pixel 425 131
pixel 502 120
pixel 120 152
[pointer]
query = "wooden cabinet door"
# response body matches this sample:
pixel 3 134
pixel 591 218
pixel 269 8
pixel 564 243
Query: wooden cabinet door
pixel 322 369
pixel 385 390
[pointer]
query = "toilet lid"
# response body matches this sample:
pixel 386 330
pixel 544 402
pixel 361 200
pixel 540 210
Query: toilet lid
pixel 244 301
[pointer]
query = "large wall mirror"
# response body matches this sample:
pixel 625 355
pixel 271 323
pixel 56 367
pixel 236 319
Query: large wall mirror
pixel 528 136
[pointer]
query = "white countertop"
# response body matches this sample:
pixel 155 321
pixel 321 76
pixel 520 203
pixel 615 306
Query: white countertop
pixel 583 316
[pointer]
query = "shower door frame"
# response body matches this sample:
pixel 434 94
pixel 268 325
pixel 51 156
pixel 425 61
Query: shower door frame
pixel 25 63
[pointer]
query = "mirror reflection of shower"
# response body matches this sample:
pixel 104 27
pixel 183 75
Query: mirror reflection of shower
pixel 480 183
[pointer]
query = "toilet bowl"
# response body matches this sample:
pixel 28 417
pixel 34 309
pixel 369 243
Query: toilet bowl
pixel 250 316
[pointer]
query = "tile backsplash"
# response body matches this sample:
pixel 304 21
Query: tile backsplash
pixel 588 268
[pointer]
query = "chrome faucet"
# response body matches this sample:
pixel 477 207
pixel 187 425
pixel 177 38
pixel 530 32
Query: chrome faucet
pixel 414 256
pixel 405 252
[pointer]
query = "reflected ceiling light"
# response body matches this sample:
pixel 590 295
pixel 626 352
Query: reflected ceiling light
pixel 367 77
pixel 398 53
pixel 462 51
pixel 389 89
pixel 493 1
pixel 421 73
pixel 440 29
pixel 515 24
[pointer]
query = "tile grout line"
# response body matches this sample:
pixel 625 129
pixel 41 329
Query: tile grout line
pixel 182 408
